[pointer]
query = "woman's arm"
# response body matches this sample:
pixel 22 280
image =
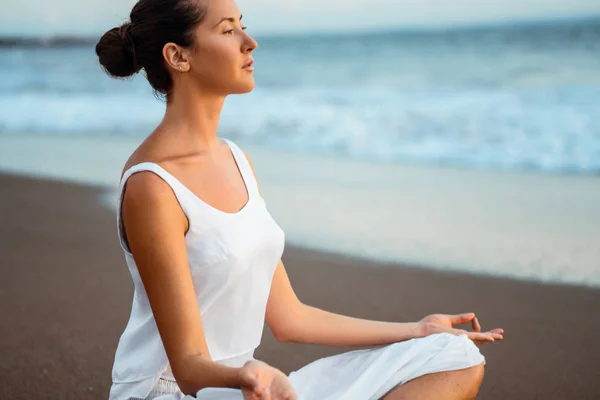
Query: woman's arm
pixel 292 321
pixel 155 226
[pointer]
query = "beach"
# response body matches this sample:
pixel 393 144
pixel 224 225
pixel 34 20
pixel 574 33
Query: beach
pixel 533 226
pixel 66 297
pixel 413 173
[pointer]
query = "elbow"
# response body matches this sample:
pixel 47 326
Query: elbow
pixel 288 331
pixel 186 383
pixel 183 372
pixel 187 388
pixel 282 335
pixel 288 326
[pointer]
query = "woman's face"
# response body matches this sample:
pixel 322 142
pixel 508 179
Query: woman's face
pixel 223 51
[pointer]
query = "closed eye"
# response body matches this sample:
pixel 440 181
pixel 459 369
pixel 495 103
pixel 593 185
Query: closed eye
pixel 231 31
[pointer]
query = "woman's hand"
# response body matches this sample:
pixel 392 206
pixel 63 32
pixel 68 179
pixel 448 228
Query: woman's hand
pixel 260 381
pixel 438 323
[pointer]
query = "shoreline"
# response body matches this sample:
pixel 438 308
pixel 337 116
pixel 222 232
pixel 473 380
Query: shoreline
pixel 533 227
pixel 106 199
pixel 67 295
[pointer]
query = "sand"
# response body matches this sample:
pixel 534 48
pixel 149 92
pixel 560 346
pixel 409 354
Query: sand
pixel 66 294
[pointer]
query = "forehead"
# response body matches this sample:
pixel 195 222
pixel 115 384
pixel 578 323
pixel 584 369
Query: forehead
pixel 218 9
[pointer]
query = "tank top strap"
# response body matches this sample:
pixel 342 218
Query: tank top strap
pixel 245 167
pixel 176 186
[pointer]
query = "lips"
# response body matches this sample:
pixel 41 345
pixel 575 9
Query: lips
pixel 248 64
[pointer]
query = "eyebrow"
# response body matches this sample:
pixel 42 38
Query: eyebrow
pixel 230 19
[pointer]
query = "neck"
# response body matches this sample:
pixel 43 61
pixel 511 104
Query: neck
pixel 192 119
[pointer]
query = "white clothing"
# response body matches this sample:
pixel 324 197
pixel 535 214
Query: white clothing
pixel 366 374
pixel 232 258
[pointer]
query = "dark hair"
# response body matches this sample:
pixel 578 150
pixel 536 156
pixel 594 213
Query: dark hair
pixel 123 51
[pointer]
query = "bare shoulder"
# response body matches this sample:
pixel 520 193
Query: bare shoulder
pixel 147 194
pixel 146 185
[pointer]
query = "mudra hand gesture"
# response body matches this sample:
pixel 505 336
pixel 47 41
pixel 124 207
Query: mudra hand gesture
pixel 437 323
pixel 263 382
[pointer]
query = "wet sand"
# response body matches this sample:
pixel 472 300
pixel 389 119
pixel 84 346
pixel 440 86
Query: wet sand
pixel 520 225
pixel 66 294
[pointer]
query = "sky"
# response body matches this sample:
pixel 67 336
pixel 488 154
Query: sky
pixel 92 17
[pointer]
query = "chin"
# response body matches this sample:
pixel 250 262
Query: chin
pixel 244 87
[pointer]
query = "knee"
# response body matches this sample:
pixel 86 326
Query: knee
pixel 472 378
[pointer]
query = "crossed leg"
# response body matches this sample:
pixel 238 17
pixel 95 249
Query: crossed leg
pixel 461 384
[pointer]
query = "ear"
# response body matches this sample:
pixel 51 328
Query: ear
pixel 176 57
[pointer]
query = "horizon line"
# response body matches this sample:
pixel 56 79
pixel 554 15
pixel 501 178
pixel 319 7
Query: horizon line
pixel 8 40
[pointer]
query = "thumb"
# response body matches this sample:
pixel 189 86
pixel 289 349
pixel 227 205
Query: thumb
pixel 464 318
pixel 250 381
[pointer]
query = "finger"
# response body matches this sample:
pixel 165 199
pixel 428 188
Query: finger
pixel 455 331
pixel 482 342
pixel 250 395
pixel 266 394
pixel 285 395
pixel 290 396
pixel 257 387
pixel 476 325
pixel 251 382
pixel 458 319
pixel 497 333
pixel 486 337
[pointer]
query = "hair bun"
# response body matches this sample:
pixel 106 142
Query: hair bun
pixel 116 52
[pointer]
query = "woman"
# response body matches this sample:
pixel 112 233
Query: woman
pixel 205 255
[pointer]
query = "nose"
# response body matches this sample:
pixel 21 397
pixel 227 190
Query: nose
pixel 249 44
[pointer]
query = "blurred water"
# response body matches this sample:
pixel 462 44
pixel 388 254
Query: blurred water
pixel 521 97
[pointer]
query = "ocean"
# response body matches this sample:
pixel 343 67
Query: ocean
pixel 502 98
pixel 474 150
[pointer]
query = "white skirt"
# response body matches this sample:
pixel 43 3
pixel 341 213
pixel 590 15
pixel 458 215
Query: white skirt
pixel 368 374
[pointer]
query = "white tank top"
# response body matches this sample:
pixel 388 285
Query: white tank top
pixel 232 257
